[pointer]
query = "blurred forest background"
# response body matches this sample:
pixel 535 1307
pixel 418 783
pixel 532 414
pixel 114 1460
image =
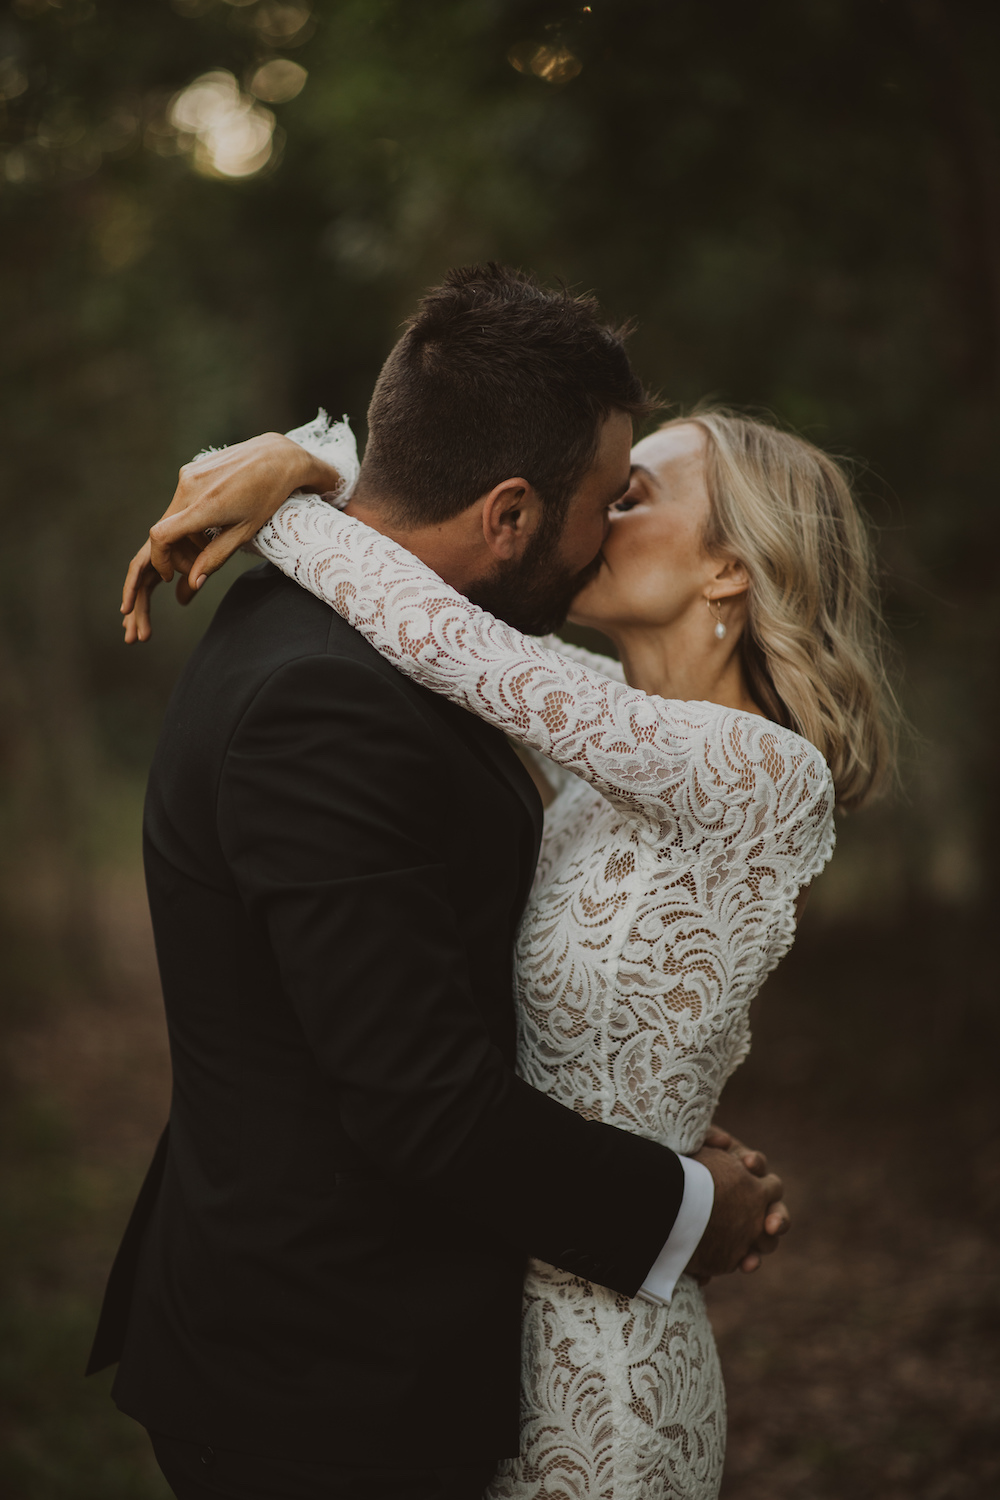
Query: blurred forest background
pixel 213 216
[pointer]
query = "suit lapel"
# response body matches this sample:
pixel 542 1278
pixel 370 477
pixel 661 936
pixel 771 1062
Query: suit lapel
pixel 495 750
pixel 491 748
pixel 506 762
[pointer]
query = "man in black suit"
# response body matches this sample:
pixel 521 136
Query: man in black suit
pixel 319 1290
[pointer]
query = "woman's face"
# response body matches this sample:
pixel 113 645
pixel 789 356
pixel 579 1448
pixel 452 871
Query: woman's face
pixel 656 569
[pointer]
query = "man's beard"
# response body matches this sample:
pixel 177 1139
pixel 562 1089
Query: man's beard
pixel 534 594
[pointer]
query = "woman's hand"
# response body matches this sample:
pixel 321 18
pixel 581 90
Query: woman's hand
pixel 232 493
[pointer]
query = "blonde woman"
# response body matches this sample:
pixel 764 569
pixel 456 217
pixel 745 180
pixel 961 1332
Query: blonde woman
pixel 694 784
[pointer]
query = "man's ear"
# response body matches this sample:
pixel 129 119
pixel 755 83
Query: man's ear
pixel 512 512
pixel 728 579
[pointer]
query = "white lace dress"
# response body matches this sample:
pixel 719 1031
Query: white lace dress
pixel 665 893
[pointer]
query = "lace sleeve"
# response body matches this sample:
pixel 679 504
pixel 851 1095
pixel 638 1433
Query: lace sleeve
pixel 708 771
pixel 607 666
pixel 335 443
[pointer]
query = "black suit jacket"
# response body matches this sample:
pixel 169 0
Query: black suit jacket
pixel 327 1255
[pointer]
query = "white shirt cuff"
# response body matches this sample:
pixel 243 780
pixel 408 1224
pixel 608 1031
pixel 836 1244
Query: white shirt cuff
pixel 689 1226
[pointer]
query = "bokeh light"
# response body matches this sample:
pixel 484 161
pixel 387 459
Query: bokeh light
pixel 13 81
pixel 278 80
pixel 284 22
pixel 553 62
pixel 226 132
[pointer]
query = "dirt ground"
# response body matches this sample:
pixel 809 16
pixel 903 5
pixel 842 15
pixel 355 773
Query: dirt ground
pixel 862 1361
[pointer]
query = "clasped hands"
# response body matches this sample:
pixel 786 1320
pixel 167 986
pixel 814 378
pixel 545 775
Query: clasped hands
pixel 748 1215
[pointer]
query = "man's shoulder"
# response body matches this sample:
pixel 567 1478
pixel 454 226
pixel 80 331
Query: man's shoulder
pixel 274 652
pixel 265 623
pixel 270 618
pixel 269 639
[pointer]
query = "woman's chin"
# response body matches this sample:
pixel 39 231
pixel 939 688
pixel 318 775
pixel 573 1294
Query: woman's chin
pixel 585 617
pixel 586 606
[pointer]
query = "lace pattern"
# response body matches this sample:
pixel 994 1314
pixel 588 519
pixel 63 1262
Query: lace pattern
pixel 620 1400
pixel 664 895
pixel 334 442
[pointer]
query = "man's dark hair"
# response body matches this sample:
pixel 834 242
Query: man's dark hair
pixel 495 377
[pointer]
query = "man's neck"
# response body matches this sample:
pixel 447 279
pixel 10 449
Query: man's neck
pixel 455 548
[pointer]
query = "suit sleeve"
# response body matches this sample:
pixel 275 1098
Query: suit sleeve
pixel 328 826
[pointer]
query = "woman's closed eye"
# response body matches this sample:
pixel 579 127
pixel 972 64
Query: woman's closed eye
pixel 627 502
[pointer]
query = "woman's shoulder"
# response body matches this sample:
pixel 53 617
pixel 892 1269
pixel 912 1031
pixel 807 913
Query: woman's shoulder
pixel 761 787
pixel 762 754
pixel 753 729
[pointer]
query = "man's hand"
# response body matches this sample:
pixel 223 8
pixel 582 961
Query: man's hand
pixel 777 1222
pixel 748 1216
pixel 234 491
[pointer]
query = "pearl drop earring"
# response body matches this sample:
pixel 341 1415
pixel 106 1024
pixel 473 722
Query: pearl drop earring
pixel 720 629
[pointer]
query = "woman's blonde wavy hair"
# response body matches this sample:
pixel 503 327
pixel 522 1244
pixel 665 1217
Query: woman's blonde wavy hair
pixel 814 648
